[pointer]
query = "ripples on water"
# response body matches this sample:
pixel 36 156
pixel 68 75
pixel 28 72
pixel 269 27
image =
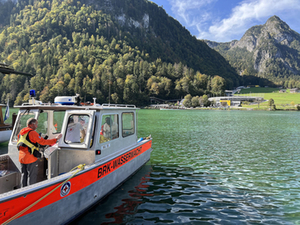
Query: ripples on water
pixel 211 167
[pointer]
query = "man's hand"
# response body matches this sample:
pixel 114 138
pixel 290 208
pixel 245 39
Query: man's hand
pixel 58 136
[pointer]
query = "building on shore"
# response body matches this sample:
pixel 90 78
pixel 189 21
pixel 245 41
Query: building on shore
pixel 234 101
pixel 295 90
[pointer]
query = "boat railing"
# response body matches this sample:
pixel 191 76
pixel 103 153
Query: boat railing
pixel 39 103
pixel 118 105
pixel 35 103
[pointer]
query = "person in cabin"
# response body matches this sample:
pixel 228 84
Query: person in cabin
pixel 75 130
pixel 109 130
pixel 28 145
pixel 106 128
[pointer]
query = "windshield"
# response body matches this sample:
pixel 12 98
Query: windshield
pixel 49 122
pixel 22 123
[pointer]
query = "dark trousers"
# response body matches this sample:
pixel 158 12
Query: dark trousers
pixel 29 171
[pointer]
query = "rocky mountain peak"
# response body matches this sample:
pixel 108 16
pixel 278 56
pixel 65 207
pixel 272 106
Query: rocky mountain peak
pixel 274 30
pixel 279 30
pixel 269 50
pixel 276 23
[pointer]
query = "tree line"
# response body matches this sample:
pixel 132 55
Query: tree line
pixel 73 48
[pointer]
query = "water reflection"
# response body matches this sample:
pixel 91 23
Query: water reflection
pixel 189 196
pixel 164 194
pixel 120 206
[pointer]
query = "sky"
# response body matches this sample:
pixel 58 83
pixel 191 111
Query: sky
pixel 227 20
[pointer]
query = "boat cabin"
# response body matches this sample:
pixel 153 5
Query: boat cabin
pixel 91 133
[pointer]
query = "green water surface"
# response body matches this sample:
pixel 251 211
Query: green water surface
pixel 211 167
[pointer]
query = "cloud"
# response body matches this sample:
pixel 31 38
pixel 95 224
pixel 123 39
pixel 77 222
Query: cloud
pixel 183 8
pixel 247 14
pixel 204 18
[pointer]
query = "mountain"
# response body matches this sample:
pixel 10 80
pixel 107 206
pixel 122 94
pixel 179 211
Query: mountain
pixel 123 50
pixel 163 37
pixel 270 51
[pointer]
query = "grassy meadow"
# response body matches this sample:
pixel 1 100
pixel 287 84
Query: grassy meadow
pixel 283 101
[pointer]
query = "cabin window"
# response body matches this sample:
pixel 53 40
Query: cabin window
pixel 22 124
pixel 127 124
pixel 58 118
pixel 109 127
pixel 76 129
pixel 50 122
pixel 42 124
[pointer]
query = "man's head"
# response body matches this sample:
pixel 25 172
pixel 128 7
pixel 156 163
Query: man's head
pixel 81 120
pixel 32 123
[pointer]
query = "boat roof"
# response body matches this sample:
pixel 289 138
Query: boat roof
pixel 58 107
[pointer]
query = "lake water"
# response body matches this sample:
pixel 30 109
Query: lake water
pixel 211 167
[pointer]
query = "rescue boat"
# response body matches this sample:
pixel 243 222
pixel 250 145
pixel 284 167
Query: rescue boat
pixel 84 166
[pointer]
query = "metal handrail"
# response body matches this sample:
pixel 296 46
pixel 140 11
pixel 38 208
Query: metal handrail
pixel 118 105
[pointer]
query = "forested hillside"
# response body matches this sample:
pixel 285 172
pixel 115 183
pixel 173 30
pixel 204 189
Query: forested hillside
pixel 130 49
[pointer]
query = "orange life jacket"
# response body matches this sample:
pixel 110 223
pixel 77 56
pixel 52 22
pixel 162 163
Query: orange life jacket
pixel 25 157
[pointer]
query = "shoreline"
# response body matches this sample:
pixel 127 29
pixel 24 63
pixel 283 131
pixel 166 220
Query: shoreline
pixel 233 108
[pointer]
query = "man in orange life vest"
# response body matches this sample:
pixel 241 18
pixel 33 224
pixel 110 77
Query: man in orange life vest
pixel 28 142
